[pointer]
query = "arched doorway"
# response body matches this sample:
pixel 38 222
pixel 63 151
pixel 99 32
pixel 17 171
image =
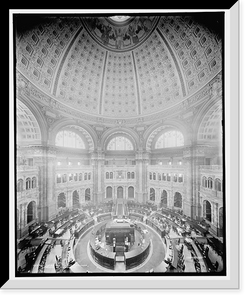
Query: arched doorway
pixel 75 197
pixel 131 192
pixel 31 211
pixel 152 194
pixel 120 192
pixel 61 200
pixel 178 200
pixel 207 211
pixel 109 192
pixel 87 194
pixel 164 199
pixel 221 223
pixel 17 218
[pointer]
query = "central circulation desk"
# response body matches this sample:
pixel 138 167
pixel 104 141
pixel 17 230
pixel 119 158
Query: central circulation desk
pixel 140 252
pixel 132 258
pixel 102 256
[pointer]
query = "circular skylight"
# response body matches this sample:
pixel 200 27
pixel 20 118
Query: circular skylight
pixel 120 19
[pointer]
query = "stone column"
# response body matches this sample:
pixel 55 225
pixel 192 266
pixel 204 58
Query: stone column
pixel 39 155
pixel 98 159
pixel 158 196
pixel 215 218
pixel 69 200
pixel 141 190
pixel 21 213
pixel 51 175
pixel 45 160
pixel 197 161
pixel 188 163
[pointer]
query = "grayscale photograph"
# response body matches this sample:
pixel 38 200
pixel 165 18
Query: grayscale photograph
pixel 119 144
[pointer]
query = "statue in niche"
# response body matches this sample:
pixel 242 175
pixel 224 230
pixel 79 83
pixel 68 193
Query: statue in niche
pixel 22 161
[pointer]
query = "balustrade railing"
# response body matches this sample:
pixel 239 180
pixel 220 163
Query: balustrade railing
pixel 211 167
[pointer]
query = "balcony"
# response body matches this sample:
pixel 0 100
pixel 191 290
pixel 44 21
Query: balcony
pixel 28 194
pixel 211 193
pixel 27 168
pixel 211 168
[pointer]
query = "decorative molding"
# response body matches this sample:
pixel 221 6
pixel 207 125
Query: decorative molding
pixel 123 37
pixel 33 93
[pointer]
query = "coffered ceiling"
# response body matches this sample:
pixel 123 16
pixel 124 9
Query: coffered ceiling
pixel 118 67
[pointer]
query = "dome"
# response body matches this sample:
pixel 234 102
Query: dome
pixel 118 66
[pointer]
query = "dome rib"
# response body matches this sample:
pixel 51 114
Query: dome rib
pixel 100 109
pixel 60 67
pixel 137 85
pixel 175 61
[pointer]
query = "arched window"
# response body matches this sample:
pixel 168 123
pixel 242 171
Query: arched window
pixel 150 176
pixel 75 176
pixel 164 176
pixel 111 175
pixel 89 176
pixel 70 177
pixel 132 175
pixel 69 139
pixel 159 176
pixel 33 182
pixel 85 176
pixel 180 178
pixel 131 192
pixel 164 198
pixel 58 178
pixel 87 194
pixel 80 176
pixel 17 218
pixel 109 192
pixel 128 175
pixel 154 176
pixel 221 217
pixel 210 183
pixel 120 192
pixel 61 200
pixel 152 194
pixel 168 177
pixel 107 175
pixel 20 185
pixel 204 181
pixel 178 200
pixel 75 198
pixel 64 178
pixel 31 211
pixel 169 139
pixel 120 143
pixel 28 129
pixel 28 183
pixel 207 210
pixel 217 184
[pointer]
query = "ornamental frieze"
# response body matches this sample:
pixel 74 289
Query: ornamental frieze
pixel 33 93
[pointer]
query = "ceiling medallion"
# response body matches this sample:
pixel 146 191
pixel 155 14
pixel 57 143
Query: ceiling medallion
pixel 123 34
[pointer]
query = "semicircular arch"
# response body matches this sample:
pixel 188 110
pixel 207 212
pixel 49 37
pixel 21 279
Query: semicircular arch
pixel 88 134
pixel 125 132
pixel 157 130
pixel 31 125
